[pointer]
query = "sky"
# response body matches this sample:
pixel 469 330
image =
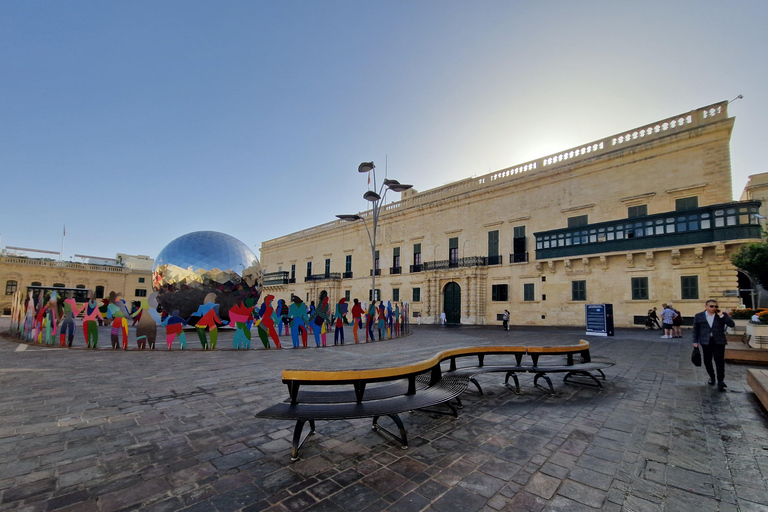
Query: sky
pixel 132 123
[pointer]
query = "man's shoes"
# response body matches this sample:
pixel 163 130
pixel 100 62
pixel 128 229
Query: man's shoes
pixel 721 386
pixel 711 381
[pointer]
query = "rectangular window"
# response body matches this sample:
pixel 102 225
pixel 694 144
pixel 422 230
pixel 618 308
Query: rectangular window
pixel 376 259
pixel 578 221
pixel 578 290
pixel 11 287
pixel 493 244
pixel 417 254
pixel 346 295
pixel 499 292
pixel 140 293
pixel 396 294
pixel 453 251
pixel 309 268
pixel 417 295
pixel 528 292
pixel 519 245
pixel 327 266
pixel 348 263
pixel 396 257
pixel 689 287
pixel 637 211
pixel 639 288
pixel 686 203
pixel 378 295
pixel 293 272
pixel 141 279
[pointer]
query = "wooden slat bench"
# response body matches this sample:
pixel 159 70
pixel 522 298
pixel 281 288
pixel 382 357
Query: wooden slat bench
pixel 411 387
pixel 584 367
pixel 373 393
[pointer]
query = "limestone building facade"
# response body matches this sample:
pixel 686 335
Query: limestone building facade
pixel 16 273
pixel 634 219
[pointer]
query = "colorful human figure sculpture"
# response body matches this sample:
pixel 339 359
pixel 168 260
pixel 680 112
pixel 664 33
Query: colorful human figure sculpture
pixel 371 318
pixel 117 311
pixel 397 319
pixel 382 320
pixel 148 317
pixel 311 313
pixel 90 323
pixel 276 317
pixel 67 324
pixel 267 325
pixel 299 319
pixel 49 319
pixel 29 319
pixel 241 315
pixel 174 326
pixel 285 316
pixel 209 319
pixel 341 309
pixel 357 318
pixel 390 319
pixel 322 315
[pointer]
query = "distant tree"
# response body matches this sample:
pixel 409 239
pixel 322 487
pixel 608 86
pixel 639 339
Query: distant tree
pixel 753 259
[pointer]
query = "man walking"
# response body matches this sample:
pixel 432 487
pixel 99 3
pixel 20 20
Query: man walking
pixel 709 332
pixel 667 316
pixel 505 320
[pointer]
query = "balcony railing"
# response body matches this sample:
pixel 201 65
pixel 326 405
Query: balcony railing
pixel 518 257
pixel 378 272
pixel 495 260
pixel 347 275
pixel 276 278
pixel 323 277
pixel 728 221
pixel 471 261
pixel 417 268
pixel 395 270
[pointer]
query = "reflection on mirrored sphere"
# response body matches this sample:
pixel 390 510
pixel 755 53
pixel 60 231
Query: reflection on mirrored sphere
pixel 203 262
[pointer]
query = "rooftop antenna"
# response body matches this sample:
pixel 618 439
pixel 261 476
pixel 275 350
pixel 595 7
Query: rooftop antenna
pixel 739 97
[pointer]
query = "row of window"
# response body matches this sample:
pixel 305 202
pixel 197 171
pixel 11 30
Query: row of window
pixel 663 226
pixel 681 205
pixel 689 290
pixel 12 286
pixel 518 248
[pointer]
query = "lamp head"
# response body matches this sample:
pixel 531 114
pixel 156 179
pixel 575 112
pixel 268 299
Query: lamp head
pixel 349 217
pixel 390 183
pixel 371 196
pixel 400 187
pixel 365 167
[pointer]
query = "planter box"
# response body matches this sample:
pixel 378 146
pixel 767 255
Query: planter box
pixel 758 335
pixel 741 325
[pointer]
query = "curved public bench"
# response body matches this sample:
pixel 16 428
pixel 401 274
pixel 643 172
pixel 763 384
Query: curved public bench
pixel 422 385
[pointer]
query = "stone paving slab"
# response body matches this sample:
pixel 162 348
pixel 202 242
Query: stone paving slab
pixel 107 430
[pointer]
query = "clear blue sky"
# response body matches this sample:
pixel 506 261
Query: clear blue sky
pixel 136 122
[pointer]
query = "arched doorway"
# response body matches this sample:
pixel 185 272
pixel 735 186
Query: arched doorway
pixel 452 303
pixel 746 290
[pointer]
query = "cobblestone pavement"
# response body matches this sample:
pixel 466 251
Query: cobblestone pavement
pixel 114 430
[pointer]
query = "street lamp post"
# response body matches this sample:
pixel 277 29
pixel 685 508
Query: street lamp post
pixel 377 201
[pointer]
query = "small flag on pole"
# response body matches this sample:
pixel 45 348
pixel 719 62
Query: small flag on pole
pixel 369 179
pixel 65 230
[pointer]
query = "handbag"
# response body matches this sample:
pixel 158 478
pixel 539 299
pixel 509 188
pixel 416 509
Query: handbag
pixel 696 357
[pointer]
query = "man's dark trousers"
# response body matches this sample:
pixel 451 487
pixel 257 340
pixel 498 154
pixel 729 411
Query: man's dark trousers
pixel 710 351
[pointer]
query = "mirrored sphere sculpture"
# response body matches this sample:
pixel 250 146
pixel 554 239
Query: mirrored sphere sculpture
pixel 203 262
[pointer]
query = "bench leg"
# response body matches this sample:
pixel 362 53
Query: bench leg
pixel 477 385
pixel 585 374
pixel 536 378
pixel 403 438
pixel 453 412
pixel 298 442
pixel 459 404
pixel 517 381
